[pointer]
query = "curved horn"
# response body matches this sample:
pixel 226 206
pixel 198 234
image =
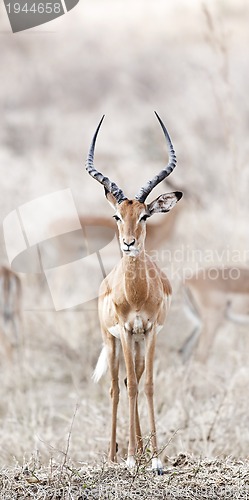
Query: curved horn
pixel 109 186
pixel 145 191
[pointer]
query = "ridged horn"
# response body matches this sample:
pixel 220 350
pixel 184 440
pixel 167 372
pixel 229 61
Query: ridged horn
pixel 109 186
pixel 146 190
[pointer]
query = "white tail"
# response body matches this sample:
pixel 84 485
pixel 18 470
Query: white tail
pixel 101 366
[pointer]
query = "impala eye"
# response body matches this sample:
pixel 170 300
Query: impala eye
pixel 117 218
pixel 144 218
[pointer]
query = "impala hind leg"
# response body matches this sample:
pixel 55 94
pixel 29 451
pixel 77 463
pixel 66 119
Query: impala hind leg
pixel 149 391
pixel 212 320
pixel 113 362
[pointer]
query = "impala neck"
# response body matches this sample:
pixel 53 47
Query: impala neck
pixel 135 279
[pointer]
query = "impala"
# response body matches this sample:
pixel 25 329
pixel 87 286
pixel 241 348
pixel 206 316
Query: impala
pixel 10 310
pixel 133 301
pixel 210 297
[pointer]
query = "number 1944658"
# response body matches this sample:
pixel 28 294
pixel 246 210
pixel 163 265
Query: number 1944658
pixel 39 8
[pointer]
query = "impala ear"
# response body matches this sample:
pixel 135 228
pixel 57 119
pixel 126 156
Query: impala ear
pixel 164 202
pixel 112 200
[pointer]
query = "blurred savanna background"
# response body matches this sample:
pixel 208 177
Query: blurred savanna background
pixel 189 62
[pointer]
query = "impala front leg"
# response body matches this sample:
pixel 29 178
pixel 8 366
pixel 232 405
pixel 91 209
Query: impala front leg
pixel 149 391
pixel 139 368
pixel 132 389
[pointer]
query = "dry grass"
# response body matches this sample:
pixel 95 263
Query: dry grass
pixel 184 478
pixel 190 63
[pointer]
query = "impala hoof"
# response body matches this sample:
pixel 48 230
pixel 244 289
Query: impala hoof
pixel 130 462
pixel 157 466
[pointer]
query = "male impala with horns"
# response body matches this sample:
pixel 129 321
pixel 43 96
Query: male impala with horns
pixel 133 301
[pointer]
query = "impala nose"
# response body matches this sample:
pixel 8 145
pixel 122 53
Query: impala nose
pixel 129 244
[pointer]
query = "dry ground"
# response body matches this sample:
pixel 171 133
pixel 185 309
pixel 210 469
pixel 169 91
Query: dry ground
pixel 183 478
pixel 190 63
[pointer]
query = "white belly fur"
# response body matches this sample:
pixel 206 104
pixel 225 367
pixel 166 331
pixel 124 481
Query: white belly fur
pixel 136 325
pixel 115 331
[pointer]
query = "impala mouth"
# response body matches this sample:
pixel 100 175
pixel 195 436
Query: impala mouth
pixel 132 252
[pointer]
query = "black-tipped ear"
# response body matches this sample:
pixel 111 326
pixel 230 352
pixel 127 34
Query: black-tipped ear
pixel 164 203
pixel 179 195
